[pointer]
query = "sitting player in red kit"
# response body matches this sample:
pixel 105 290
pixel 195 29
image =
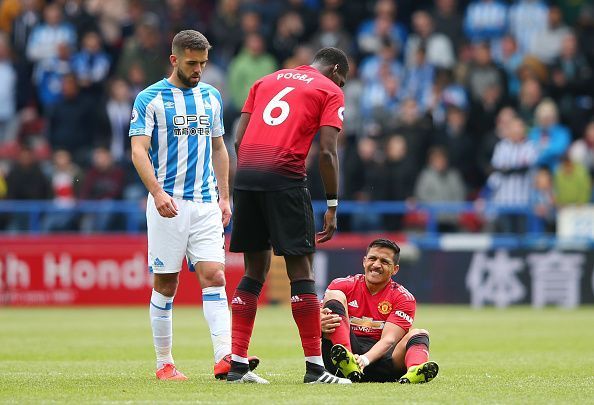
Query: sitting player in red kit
pixel 367 324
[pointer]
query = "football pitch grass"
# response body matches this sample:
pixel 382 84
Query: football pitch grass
pixel 518 355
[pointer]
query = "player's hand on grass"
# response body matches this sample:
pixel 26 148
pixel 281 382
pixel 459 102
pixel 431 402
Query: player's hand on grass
pixel 225 210
pixel 330 321
pixel 165 204
pixel 329 226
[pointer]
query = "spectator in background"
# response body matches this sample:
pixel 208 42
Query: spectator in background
pixel 532 68
pixel 353 93
pixel 546 46
pixel 118 110
pixel 550 138
pixel 69 121
pixel 76 13
pixel 483 73
pixel 49 75
pixel 114 18
pixel 249 65
pixel 25 181
pixel 418 80
pixel 382 27
pixel 302 55
pixel 9 10
pixel 225 30
pixel 8 99
pixel 22 26
pixel 46 37
pixel 179 15
pixel 439 51
pixel 365 174
pixel 438 182
pixel 448 21
pixel 399 176
pixel 508 56
pixel 485 20
pixel 91 65
pixel 483 112
pixel 573 84
pixel 510 182
pixel 145 49
pixel 458 146
pixel 379 100
pixel 65 180
pixel 268 12
pixel 573 11
pixel 414 127
pixel 356 13
pixel 582 150
pixel 136 78
pixel 530 96
pixel 104 180
pixel 527 19
pixel 332 33
pixel 290 31
pixel 542 199
pixel 306 13
pixel 573 184
pixel 487 144
pixel 384 60
pixel 251 23
pixel 585 31
pixel 445 93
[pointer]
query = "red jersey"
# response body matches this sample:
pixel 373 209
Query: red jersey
pixel 287 109
pixel 369 313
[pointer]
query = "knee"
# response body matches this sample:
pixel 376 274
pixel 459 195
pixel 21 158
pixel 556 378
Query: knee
pixel 167 288
pixel 414 332
pixel 336 302
pixel 213 278
pixel 335 295
pixel 418 337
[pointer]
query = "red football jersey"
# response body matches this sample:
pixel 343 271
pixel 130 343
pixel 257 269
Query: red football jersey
pixel 287 109
pixel 369 313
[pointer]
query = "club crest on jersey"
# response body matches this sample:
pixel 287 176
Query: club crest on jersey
pixel 384 307
pixel 182 125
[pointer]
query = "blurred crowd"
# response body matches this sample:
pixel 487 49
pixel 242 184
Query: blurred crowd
pixel 447 100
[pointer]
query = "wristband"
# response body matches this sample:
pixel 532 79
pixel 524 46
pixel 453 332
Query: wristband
pixel 364 360
pixel 332 203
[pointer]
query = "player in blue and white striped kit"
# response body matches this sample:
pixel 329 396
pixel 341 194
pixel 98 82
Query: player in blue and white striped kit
pixel 176 132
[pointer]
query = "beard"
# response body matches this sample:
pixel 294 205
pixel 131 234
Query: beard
pixel 186 79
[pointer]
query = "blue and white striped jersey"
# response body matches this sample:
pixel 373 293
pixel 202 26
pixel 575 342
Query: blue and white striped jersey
pixel 181 123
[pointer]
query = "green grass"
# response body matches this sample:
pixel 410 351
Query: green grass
pixel 518 355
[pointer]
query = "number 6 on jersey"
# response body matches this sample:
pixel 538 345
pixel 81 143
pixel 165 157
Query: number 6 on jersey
pixel 277 102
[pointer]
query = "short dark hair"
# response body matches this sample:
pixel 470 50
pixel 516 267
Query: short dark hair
pixel 386 243
pixel 189 39
pixel 333 56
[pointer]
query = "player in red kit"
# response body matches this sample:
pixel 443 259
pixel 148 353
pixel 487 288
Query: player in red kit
pixel 367 324
pixel 272 206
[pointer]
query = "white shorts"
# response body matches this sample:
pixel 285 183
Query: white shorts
pixel 196 233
